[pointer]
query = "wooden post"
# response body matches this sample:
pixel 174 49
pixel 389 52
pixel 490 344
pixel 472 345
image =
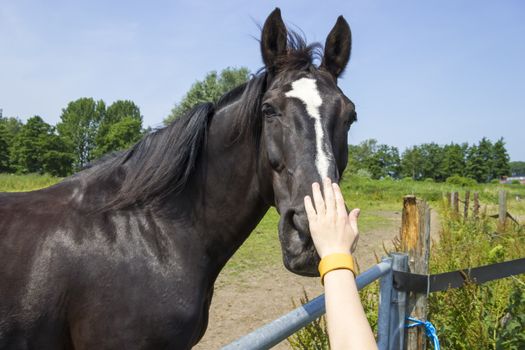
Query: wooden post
pixel 502 212
pixel 415 240
pixel 449 199
pixel 476 205
pixel 465 211
pixel 455 203
pixel 409 223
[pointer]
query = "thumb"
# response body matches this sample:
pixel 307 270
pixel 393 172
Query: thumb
pixel 352 218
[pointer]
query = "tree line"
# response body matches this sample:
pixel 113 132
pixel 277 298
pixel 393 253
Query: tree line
pixel 87 130
pixel 517 168
pixel 483 162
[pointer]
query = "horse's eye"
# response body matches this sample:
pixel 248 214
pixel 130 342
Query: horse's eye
pixel 268 110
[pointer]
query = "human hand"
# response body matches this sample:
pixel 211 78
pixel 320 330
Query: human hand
pixel 332 229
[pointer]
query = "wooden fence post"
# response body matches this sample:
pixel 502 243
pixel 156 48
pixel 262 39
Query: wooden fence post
pixel 415 240
pixel 465 211
pixel 502 212
pixel 455 203
pixel 476 205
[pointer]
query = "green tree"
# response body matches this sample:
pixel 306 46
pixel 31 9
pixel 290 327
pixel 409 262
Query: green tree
pixel 26 149
pixel 78 128
pixel 432 161
pixel 474 164
pixel 56 159
pixel 486 151
pixel 517 168
pixel 4 149
pixel 378 160
pixel 454 159
pixel 9 127
pixel 480 161
pixel 411 163
pixel 384 162
pixel 209 90
pixel 12 127
pixel 122 134
pixel 359 154
pixel 500 160
pixel 37 149
pixel 120 128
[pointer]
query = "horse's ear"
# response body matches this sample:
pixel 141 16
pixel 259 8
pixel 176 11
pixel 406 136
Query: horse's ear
pixel 274 39
pixel 337 48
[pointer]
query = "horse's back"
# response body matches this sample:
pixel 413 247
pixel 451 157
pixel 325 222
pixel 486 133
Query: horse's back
pixel 31 285
pixel 74 276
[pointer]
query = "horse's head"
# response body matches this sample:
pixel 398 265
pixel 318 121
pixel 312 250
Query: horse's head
pixel 305 121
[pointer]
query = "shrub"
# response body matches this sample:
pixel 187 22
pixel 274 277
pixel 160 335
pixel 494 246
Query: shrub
pixel 429 179
pixel 487 316
pixel 515 182
pixel 314 336
pixel 364 173
pixel 461 181
pixel 494 181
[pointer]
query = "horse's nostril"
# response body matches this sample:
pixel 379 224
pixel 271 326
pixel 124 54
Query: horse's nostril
pixel 300 222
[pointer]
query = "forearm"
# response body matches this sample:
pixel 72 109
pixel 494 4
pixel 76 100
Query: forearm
pixel 348 327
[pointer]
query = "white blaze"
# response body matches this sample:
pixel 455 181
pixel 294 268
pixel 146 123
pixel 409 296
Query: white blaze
pixel 305 89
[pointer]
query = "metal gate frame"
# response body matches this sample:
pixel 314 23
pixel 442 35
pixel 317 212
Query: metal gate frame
pixel 392 312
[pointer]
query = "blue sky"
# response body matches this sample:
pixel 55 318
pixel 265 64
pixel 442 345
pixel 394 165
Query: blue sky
pixel 420 71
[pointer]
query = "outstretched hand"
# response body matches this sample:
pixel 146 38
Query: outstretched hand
pixel 332 229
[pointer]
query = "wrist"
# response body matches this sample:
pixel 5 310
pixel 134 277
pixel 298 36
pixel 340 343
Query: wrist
pixel 336 250
pixel 336 261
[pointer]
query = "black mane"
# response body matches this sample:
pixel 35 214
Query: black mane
pixel 161 163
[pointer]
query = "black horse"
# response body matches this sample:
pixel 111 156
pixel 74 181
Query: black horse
pixel 124 254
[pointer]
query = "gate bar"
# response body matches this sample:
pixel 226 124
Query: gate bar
pixel 278 330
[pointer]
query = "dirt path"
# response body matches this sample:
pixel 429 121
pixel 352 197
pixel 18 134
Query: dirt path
pixel 246 302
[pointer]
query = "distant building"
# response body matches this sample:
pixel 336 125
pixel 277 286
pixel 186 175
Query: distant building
pixel 509 179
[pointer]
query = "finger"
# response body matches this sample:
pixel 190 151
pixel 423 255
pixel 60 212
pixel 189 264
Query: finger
pixel 352 218
pixel 318 199
pixel 339 201
pixel 310 210
pixel 329 196
pixel 354 244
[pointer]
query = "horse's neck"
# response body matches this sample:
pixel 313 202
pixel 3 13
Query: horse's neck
pixel 229 205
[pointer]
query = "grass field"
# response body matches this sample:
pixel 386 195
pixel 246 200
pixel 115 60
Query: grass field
pixel 22 183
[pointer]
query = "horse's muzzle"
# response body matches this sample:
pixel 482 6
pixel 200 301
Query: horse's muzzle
pixel 299 254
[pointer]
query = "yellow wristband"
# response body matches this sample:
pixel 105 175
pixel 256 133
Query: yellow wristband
pixel 336 262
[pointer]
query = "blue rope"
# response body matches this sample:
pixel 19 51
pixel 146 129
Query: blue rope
pixel 430 330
